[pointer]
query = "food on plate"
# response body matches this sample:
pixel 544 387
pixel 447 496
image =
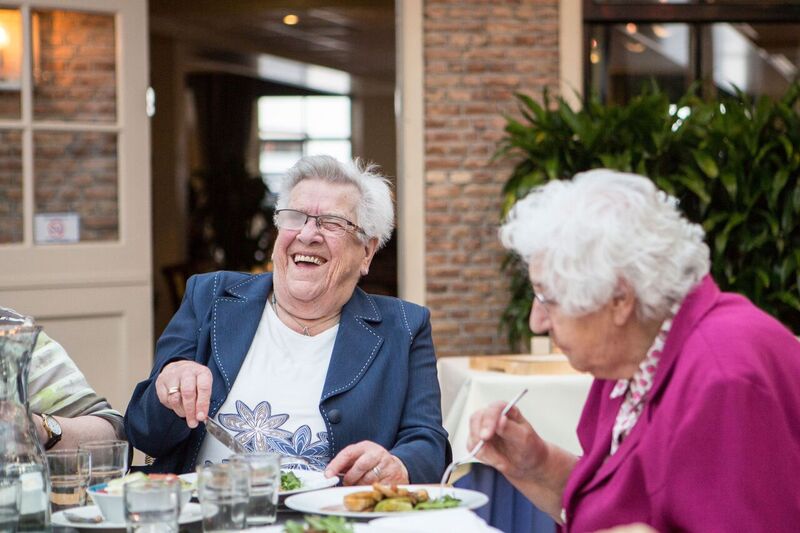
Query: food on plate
pixel 115 485
pixel 363 500
pixel 393 499
pixel 290 481
pixel 394 505
pixel 319 524
pixel 445 502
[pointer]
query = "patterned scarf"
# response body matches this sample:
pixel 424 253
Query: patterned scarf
pixel 636 388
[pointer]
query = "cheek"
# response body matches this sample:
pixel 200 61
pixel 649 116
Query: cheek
pixel 282 242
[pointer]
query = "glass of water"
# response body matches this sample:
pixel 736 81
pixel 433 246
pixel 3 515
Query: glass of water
pixel 265 482
pixel 224 491
pixel 109 459
pixel 152 505
pixel 69 476
pixel 10 500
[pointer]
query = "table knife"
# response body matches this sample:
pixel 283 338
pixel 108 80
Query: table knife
pixel 222 435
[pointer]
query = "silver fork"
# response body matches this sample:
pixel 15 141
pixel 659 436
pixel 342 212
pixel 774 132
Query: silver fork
pixel 474 451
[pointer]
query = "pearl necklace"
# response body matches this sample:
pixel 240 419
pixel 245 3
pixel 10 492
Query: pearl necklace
pixel 276 305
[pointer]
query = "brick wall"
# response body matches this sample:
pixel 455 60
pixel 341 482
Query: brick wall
pixel 477 54
pixel 73 171
pixel 75 75
pixel 10 186
pixel 77 172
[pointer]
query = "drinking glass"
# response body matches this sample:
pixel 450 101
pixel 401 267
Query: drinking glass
pixel 265 482
pixel 152 505
pixel 109 459
pixel 224 491
pixel 10 501
pixel 69 476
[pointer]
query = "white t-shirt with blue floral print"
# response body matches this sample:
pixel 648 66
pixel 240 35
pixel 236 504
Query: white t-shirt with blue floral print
pixel 274 402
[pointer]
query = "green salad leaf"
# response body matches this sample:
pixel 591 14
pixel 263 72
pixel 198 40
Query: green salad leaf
pixel 319 524
pixel 289 481
pixel 445 502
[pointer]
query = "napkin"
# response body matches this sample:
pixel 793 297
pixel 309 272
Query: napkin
pixel 449 520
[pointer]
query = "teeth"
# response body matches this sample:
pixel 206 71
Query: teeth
pixel 308 259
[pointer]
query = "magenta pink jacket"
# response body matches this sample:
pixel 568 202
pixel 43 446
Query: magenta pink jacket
pixel 717 447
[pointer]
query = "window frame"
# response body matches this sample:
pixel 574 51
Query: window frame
pixel 696 16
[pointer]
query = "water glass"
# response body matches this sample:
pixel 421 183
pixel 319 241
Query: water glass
pixel 10 501
pixel 69 477
pixel 152 505
pixel 265 482
pixel 109 459
pixel 224 491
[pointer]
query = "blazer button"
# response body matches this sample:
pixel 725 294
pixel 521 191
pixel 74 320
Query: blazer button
pixel 335 416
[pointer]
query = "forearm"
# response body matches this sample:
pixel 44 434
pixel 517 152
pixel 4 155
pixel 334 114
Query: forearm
pixel 77 430
pixel 545 487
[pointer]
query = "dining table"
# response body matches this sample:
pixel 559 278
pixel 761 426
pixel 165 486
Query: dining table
pixel 407 524
pixel 553 404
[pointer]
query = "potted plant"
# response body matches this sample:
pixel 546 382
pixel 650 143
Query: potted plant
pixel 733 163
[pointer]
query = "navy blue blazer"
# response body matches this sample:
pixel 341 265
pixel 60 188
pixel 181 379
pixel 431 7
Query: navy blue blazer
pixel 381 384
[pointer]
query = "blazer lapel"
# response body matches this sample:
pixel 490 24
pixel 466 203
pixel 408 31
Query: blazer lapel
pixel 357 344
pixel 591 467
pixel 235 318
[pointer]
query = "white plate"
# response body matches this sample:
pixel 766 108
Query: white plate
pixel 190 514
pixel 191 478
pixel 310 479
pixel 358 528
pixel 331 501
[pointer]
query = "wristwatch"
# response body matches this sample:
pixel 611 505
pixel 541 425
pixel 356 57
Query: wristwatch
pixel 53 430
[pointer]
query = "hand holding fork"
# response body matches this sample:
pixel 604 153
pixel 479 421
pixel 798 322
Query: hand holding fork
pixel 477 448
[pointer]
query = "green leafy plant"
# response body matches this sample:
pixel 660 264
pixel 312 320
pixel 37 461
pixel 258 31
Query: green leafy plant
pixel 733 163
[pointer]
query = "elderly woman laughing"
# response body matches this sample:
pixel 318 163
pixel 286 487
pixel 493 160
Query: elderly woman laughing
pixel 692 421
pixel 301 361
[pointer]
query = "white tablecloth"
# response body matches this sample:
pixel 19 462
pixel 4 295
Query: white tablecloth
pixel 552 405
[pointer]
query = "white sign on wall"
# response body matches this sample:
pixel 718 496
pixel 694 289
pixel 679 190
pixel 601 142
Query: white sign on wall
pixel 56 228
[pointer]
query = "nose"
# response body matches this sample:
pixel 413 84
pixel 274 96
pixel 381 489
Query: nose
pixel 309 232
pixel 540 319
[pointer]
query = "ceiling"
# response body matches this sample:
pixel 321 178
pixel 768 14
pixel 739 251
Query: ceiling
pixel 351 35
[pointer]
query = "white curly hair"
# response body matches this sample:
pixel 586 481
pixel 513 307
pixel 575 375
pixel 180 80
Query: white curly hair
pixel 586 234
pixel 375 209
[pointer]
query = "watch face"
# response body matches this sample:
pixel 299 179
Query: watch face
pixel 53 424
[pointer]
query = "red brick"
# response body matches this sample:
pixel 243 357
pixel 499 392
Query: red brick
pixel 477 54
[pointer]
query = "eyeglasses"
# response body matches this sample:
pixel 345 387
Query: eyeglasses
pixel 547 303
pixel 294 220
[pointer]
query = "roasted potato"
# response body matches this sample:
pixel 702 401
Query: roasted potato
pixel 389 491
pixel 418 496
pixel 394 505
pixel 360 501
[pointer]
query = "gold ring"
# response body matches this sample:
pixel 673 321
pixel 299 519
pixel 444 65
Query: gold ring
pixel 173 390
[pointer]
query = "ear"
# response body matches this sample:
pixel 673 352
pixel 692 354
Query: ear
pixel 369 252
pixel 623 303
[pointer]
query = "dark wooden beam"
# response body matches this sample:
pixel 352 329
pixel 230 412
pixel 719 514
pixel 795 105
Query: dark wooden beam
pixel 690 13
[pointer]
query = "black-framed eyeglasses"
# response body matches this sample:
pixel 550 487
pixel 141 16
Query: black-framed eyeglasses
pixel 294 220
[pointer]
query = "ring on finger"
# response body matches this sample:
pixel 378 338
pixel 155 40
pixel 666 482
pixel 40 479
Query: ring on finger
pixel 377 471
pixel 173 390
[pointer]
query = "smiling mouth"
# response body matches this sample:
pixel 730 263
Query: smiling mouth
pixel 313 259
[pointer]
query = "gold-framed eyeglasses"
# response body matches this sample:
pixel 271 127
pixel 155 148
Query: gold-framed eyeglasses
pixel 294 220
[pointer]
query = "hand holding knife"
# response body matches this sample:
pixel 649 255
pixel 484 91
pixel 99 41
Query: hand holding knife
pixel 221 434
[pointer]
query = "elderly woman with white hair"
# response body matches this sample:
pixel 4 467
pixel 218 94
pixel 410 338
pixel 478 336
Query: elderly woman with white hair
pixel 693 420
pixel 302 362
